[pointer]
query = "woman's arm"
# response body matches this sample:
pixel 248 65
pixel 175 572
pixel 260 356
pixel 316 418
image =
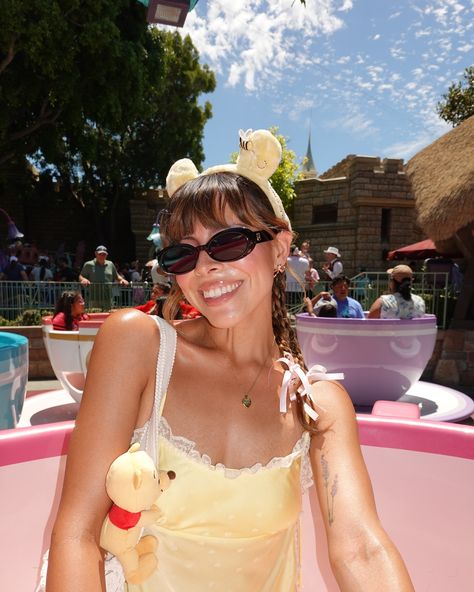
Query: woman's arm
pixel 119 388
pixel 374 312
pixel 362 555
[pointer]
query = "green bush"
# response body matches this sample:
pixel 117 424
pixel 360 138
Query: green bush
pixel 25 319
pixel 32 317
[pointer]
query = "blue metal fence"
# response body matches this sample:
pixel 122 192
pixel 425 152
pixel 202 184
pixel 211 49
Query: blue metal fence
pixel 16 297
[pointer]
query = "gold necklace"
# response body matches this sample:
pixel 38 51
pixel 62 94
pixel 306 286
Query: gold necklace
pixel 246 400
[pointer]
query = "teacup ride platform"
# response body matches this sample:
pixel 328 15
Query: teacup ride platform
pixel 422 474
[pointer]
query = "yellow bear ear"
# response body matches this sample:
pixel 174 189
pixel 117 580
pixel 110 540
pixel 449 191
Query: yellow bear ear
pixel 260 153
pixel 180 173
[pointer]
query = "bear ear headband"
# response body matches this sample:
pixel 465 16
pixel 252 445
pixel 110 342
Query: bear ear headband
pixel 259 157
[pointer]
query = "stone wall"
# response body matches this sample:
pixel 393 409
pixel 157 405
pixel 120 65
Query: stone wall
pixel 452 362
pixel 361 187
pixel 39 365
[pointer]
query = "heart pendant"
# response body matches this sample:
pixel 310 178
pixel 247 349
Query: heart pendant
pixel 246 401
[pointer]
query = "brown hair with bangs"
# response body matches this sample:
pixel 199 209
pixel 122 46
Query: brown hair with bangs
pixel 204 200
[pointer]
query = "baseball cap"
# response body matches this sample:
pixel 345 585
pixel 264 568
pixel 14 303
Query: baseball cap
pixel 400 272
pixel 101 249
pixel 323 302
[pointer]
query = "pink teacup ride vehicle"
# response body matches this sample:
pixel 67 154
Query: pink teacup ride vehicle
pixel 382 359
pixel 422 474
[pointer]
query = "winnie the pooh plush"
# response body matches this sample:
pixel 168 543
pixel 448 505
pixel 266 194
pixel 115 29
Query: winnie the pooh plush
pixel 134 485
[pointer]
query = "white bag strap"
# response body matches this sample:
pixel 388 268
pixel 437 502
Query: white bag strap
pixel 164 367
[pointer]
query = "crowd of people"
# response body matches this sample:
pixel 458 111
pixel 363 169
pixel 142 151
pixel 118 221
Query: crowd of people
pixel 334 300
pixel 22 261
pixel 301 273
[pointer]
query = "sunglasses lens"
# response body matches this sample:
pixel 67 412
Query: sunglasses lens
pixel 178 259
pixel 229 245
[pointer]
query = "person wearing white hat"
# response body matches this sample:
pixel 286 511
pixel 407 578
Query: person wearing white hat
pixel 41 271
pixel 333 266
pixel 14 271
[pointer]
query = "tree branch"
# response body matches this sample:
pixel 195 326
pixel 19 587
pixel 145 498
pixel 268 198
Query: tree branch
pixel 45 120
pixel 8 58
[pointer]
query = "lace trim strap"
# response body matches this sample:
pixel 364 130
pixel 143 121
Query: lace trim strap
pixel 188 447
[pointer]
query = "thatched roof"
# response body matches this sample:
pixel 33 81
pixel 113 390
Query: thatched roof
pixel 442 179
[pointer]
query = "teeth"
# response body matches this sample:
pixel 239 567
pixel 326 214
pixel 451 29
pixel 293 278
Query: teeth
pixel 216 292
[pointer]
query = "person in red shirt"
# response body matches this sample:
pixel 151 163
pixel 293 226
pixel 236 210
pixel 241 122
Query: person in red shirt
pixel 187 311
pixel 159 292
pixel 69 311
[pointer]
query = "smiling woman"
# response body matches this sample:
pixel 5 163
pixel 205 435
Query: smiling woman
pixel 225 402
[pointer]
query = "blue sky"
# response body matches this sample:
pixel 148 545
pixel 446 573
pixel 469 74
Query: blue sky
pixel 363 75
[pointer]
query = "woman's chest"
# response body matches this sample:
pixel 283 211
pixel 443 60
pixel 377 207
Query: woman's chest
pixel 227 431
pixel 211 498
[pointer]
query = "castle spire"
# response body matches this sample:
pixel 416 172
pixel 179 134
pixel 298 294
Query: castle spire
pixel 309 170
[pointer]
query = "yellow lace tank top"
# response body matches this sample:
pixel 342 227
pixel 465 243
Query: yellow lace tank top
pixel 222 529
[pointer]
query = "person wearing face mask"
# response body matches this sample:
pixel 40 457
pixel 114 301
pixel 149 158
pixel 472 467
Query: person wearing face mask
pixel 226 402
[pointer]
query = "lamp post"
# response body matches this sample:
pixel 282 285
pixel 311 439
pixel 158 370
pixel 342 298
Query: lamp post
pixel 13 232
pixel 168 12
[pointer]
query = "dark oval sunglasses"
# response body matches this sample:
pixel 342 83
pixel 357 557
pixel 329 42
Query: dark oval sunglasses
pixel 230 244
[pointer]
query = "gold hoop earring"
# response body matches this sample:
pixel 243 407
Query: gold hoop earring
pixel 280 268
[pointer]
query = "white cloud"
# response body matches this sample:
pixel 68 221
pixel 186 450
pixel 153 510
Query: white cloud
pixel 346 5
pixel 254 41
pixel 354 122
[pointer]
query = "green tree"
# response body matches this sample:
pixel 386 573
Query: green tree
pixel 101 102
pixel 284 178
pixel 458 103
pixel 103 168
pixel 64 62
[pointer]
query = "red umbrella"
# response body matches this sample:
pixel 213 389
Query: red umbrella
pixel 422 250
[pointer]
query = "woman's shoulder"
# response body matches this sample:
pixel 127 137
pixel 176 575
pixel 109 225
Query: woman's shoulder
pixel 333 403
pixel 136 326
pixel 59 321
pixel 388 300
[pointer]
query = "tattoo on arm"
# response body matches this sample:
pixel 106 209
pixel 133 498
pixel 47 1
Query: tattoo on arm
pixel 329 492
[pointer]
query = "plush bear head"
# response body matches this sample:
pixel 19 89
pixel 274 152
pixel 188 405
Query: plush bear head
pixel 133 482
